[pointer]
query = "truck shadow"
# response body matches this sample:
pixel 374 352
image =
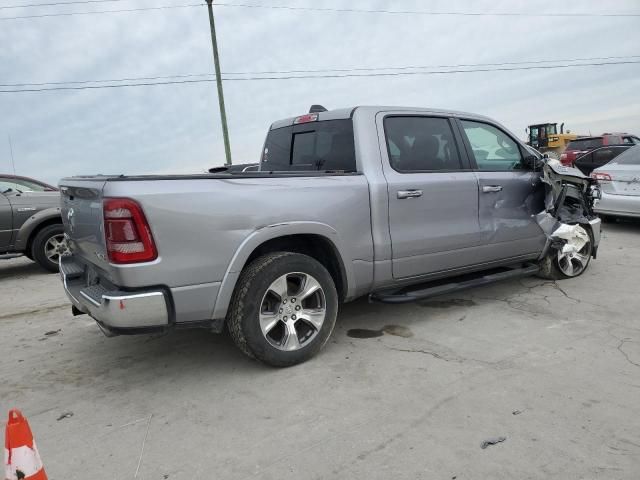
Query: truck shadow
pixel 19 267
pixel 176 358
pixel 120 363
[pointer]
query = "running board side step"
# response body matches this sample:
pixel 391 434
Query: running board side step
pixel 433 289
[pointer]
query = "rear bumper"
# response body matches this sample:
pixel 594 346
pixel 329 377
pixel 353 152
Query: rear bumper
pixel 115 310
pixel 621 205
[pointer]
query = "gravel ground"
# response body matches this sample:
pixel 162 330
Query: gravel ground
pixel 553 367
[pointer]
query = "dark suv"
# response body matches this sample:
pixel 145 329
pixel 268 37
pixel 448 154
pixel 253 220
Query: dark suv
pixel 582 145
pixel 30 221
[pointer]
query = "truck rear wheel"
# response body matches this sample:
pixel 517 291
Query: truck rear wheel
pixel 284 309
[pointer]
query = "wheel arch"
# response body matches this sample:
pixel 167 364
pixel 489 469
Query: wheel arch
pixel 33 225
pixel 318 240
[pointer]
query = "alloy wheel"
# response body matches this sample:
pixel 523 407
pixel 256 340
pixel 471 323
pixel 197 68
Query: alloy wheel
pixel 55 247
pixel 573 263
pixel 292 311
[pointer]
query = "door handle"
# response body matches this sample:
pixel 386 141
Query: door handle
pixel 491 188
pixel 409 193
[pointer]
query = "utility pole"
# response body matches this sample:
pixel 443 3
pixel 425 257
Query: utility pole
pixel 216 61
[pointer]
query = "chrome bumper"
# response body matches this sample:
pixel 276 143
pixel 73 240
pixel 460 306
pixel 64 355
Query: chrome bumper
pixel 115 310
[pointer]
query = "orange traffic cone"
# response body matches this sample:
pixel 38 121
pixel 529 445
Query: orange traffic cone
pixel 21 457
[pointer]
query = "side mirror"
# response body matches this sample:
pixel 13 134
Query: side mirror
pixel 531 162
pixel 545 155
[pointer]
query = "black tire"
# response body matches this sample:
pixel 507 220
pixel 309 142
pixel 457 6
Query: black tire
pixel 38 246
pixel 251 290
pixel 550 267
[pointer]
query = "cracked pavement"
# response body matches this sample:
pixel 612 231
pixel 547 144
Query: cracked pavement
pixel 564 355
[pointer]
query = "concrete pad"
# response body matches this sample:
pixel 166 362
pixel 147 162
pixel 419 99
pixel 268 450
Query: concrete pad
pixel 553 367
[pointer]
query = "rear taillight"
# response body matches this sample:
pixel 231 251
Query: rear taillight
pixel 565 160
pixel 127 232
pixel 601 176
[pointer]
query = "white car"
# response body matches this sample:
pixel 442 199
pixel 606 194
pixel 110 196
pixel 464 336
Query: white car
pixel 620 185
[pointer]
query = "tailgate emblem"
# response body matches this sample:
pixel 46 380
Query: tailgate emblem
pixel 71 219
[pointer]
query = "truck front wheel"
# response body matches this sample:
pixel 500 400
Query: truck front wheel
pixel 558 265
pixel 284 309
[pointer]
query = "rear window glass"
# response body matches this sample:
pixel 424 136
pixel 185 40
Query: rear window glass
pixel 629 157
pixel 585 144
pixel 315 146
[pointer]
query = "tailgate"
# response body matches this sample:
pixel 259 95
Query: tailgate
pixel 82 218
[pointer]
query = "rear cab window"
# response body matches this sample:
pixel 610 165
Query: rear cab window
pixel 325 146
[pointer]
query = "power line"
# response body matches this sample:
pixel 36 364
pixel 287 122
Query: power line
pixel 335 10
pixel 54 4
pixel 350 75
pixel 97 12
pixel 422 12
pixel 322 70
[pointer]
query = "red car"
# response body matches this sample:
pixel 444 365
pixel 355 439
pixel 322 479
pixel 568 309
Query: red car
pixel 583 145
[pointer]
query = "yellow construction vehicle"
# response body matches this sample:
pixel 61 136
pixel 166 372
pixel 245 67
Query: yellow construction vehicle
pixel 545 138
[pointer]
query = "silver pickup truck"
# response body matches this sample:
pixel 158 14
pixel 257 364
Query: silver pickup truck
pixel 396 203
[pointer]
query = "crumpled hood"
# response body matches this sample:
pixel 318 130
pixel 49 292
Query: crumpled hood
pixel 569 201
pixel 556 175
pixel 558 178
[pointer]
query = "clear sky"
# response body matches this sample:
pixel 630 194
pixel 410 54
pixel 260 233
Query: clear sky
pixel 176 128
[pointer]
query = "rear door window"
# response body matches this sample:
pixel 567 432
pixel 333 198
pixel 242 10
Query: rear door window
pixel 315 146
pixel 493 150
pixel 421 144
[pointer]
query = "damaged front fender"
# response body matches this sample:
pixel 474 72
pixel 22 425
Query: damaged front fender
pixel 569 200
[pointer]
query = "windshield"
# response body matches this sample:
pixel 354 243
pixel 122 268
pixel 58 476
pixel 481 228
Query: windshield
pixel 534 152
